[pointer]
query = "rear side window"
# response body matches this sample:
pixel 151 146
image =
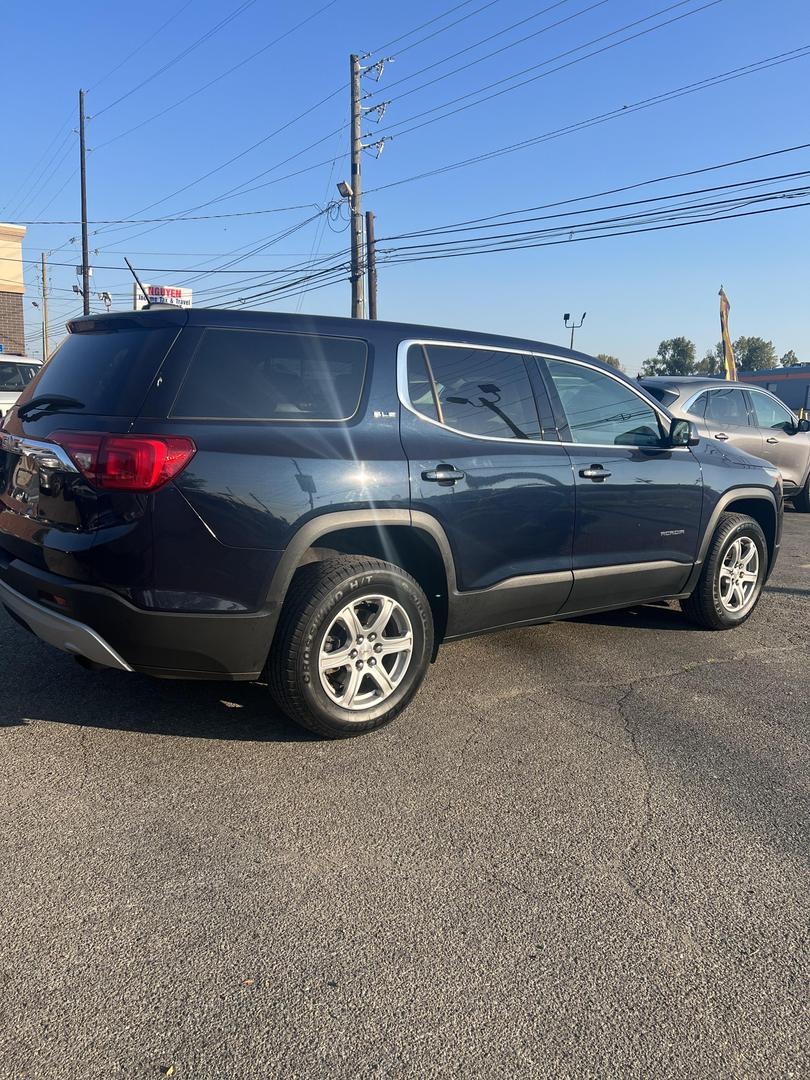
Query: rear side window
pixel 476 391
pixel 108 371
pixel 15 377
pixel 727 407
pixel 263 375
pixel 698 406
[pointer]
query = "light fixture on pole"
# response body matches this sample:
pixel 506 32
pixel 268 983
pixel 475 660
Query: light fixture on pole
pixel 572 326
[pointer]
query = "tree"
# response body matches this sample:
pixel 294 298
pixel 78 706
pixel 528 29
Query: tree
pixel 676 356
pixel 754 354
pixel 789 359
pixel 713 363
pixel 611 361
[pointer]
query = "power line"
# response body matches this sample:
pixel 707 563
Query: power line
pixel 435 33
pixel 572 238
pixel 481 243
pixel 49 170
pixel 491 37
pixel 236 157
pixel 176 59
pixel 416 29
pixel 169 108
pixel 473 225
pixel 622 110
pixel 477 223
pixel 142 45
pixel 175 217
pixel 545 74
pixel 13 199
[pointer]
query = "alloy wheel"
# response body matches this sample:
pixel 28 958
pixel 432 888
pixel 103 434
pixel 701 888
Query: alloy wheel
pixel 365 653
pixel 738 575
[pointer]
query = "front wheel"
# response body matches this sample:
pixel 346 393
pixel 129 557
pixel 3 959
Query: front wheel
pixel 733 574
pixel 802 500
pixel 352 645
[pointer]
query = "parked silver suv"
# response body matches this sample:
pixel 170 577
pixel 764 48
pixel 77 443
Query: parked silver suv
pixel 747 416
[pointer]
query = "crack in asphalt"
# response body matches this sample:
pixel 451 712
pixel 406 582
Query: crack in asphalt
pixel 645 812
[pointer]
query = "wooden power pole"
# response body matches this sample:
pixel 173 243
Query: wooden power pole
pixel 371 264
pixel 356 198
pixel 85 253
pixel 44 310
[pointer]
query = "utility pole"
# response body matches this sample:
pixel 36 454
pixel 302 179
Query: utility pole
pixel 356 197
pixel 572 326
pixel 371 265
pixel 44 311
pixel 85 253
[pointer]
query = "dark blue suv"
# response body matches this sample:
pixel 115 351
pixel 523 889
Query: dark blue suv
pixel 322 502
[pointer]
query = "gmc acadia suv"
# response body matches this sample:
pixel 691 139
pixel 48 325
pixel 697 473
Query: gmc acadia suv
pixel 321 501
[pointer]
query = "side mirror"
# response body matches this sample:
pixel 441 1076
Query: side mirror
pixel 683 433
pixel 803 425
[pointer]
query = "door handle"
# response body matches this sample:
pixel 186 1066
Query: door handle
pixel 595 472
pixel 443 474
pixel 722 435
pixel 772 440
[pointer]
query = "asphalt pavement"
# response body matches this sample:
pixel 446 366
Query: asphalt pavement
pixel 581 853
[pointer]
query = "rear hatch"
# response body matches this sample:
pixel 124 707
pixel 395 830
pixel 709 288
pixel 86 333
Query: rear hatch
pixel 55 504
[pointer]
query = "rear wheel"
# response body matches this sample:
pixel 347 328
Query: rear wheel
pixel 732 577
pixel 352 646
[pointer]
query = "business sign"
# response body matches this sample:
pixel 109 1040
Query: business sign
pixel 161 294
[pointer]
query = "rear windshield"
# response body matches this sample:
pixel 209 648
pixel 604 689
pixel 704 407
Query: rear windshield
pixel 263 375
pixel 15 377
pixel 666 397
pixel 109 371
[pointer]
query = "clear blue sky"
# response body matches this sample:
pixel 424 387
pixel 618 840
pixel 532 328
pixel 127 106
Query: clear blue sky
pixel 637 290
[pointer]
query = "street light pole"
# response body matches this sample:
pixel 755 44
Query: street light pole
pixel 572 326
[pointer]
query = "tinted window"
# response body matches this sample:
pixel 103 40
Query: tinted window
pixel 602 411
pixel 108 371
pixel 770 413
pixel 477 391
pixel 727 407
pixel 15 376
pixel 260 375
pixel 420 391
pixel 698 406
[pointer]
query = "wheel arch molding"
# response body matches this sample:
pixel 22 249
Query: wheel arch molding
pixel 760 504
pixel 412 540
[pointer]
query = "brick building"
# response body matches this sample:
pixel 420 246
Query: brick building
pixel 12 287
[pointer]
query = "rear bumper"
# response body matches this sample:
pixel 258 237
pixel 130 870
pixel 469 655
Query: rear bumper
pixel 61 632
pixel 102 627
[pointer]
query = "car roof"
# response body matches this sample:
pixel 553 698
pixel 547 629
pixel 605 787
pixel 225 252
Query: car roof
pixel 327 324
pixel 683 383
pixel 13 358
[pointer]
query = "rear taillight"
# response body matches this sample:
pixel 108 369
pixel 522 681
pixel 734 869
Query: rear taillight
pixel 126 462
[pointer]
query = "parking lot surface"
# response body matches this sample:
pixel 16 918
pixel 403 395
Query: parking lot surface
pixel 581 853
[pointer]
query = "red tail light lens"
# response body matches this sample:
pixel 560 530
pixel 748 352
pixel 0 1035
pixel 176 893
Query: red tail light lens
pixel 126 462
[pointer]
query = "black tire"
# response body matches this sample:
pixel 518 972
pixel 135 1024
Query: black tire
pixel 802 500
pixel 319 591
pixel 704 606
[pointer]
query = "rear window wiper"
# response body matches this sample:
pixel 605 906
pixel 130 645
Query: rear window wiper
pixel 48 403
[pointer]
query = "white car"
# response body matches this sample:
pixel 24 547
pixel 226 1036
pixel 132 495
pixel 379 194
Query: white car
pixel 16 372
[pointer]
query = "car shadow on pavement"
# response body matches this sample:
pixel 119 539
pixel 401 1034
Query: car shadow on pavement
pixel 786 590
pixel 643 617
pixel 51 687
